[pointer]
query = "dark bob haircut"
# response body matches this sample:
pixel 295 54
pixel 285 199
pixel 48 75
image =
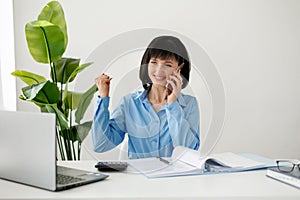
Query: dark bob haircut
pixel 165 47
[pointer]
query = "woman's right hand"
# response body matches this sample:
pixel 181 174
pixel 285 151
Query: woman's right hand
pixel 103 84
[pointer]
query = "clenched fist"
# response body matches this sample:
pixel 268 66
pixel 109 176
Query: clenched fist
pixel 103 84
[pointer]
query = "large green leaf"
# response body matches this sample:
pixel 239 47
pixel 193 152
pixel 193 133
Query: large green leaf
pixel 72 100
pixel 64 68
pixel 77 70
pixel 28 77
pixel 66 94
pixel 54 13
pixel 84 103
pixel 45 93
pixel 78 132
pixel 60 117
pixel 45 41
pixel 82 130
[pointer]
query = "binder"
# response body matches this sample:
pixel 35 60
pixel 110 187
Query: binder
pixel 186 161
pixel 290 178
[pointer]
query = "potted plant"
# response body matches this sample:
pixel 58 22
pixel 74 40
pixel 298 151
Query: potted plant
pixel 47 40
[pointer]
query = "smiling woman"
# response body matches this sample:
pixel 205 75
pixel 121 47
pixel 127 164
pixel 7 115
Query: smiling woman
pixel 161 73
pixel 158 118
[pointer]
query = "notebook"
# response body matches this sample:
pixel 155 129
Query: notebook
pixel 28 153
pixel 185 161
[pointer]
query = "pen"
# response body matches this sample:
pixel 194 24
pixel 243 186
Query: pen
pixel 163 160
pixel 179 67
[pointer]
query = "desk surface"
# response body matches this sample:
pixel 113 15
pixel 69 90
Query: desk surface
pixel 130 185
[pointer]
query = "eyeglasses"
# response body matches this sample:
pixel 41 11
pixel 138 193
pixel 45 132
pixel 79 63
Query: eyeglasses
pixel 287 165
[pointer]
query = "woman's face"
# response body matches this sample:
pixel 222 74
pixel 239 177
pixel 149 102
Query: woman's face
pixel 159 70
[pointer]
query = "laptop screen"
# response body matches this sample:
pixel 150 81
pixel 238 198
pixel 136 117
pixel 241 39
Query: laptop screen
pixel 27 148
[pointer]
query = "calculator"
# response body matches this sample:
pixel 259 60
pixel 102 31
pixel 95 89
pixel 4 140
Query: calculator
pixel 111 165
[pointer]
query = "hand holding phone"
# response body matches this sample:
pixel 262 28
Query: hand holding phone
pixel 174 84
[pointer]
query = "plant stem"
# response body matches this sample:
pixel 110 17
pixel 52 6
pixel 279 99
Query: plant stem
pixel 78 150
pixel 60 146
pixel 71 110
pixel 54 71
pixel 70 124
pixel 69 141
pixel 73 148
pixel 67 148
pixel 61 92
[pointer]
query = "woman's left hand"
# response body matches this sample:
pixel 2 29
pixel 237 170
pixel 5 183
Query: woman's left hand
pixel 175 81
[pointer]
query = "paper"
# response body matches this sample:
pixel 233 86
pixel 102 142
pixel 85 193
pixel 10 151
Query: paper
pixel 153 167
pixel 186 161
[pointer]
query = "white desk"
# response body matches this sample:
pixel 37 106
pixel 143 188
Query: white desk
pixel 244 185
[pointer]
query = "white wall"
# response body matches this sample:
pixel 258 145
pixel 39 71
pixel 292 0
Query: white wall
pixel 254 45
pixel 1 93
pixel 7 57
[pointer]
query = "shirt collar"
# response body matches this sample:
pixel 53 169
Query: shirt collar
pixel 142 96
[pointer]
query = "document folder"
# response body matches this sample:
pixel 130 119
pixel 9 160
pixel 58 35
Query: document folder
pixel 186 161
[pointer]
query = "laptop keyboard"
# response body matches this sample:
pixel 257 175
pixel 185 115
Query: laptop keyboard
pixel 65 179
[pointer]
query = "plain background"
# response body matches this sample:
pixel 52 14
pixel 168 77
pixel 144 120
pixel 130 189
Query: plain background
pixel 254 45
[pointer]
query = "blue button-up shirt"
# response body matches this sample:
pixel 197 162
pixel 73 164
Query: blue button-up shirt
pixel 150 133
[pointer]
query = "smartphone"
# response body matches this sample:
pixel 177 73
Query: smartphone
pixel 168 86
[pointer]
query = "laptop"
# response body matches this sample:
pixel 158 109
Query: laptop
pixel 28 153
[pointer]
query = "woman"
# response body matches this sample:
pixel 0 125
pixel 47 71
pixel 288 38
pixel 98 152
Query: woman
pixel 158 118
